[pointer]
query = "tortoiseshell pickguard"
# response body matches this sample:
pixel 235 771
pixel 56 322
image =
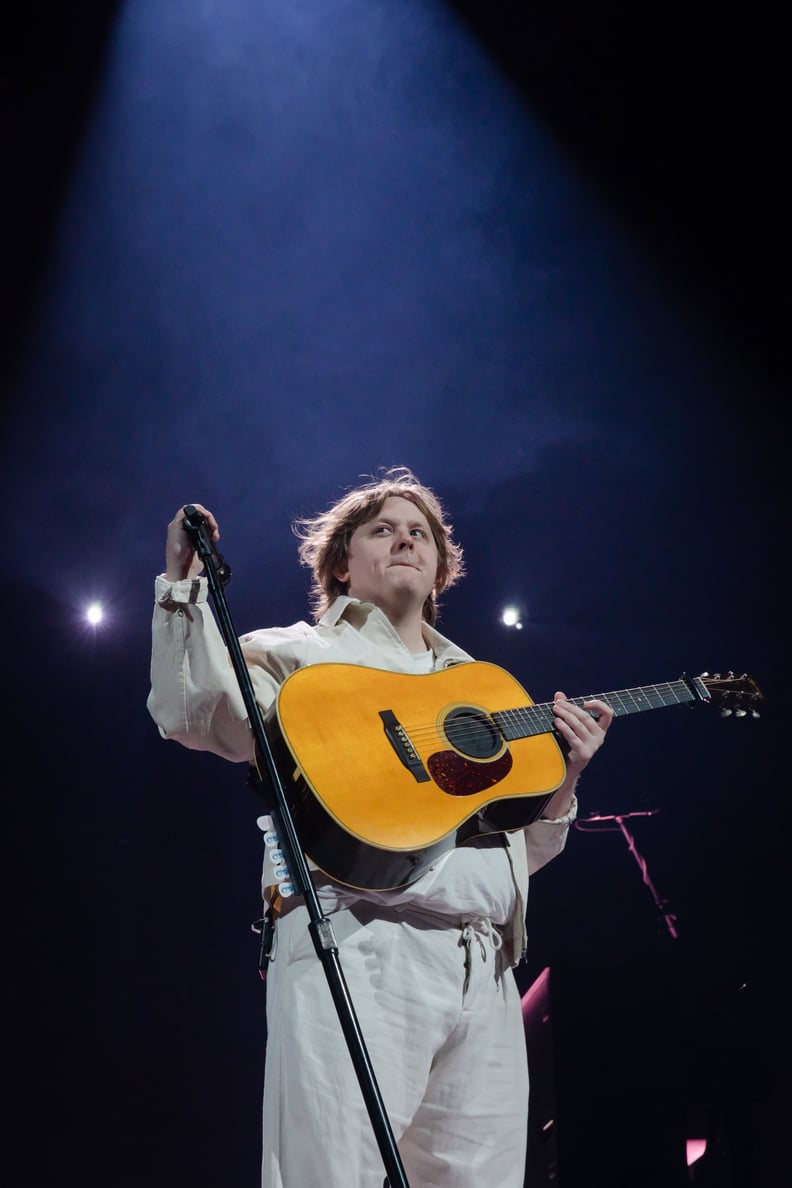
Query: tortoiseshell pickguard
pixel 458 776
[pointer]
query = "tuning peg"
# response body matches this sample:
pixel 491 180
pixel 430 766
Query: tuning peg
pixel 740 713
pixel 725 713
pixel 755 713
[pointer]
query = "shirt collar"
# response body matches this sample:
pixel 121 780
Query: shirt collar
pixel 359 613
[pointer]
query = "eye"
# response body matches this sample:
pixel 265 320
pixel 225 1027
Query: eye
pixel 418 532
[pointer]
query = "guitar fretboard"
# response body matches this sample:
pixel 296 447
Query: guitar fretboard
pixel 525 721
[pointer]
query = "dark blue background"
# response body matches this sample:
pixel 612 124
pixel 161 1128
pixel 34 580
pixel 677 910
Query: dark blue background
pixel 254 252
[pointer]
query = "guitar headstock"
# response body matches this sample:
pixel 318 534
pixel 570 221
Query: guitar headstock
pixel 738 695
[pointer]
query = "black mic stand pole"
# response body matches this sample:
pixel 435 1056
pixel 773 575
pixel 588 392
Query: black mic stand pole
pixel 218 574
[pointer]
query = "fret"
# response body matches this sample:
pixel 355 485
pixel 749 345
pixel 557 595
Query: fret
pixel 530 720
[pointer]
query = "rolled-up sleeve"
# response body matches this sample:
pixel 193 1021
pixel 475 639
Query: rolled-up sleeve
pixel 195 697
pixel 544 840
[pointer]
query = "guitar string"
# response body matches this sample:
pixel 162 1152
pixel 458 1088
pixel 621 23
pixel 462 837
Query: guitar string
pixel 539 717
pixel 518 722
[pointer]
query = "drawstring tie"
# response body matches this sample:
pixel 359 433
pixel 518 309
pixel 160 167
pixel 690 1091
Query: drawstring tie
pixel 482 930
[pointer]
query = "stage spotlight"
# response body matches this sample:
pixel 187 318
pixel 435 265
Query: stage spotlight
pixel 94 614
pixel 695 1149
pixel 511 616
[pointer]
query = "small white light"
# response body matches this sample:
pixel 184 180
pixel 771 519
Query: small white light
pixel 510 617
pixel 94 614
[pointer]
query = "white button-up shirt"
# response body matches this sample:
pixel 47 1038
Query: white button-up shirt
pixel 195 699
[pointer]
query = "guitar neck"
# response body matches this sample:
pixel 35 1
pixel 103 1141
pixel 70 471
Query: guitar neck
pixel 525 721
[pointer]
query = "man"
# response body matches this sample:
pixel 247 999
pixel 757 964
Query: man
pixel 429 965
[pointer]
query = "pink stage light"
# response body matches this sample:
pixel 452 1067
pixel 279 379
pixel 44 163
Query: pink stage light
pixel 695 1149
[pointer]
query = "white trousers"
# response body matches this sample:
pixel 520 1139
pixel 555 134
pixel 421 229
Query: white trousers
pixel 442 1023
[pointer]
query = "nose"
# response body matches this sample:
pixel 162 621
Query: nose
pixel 403 540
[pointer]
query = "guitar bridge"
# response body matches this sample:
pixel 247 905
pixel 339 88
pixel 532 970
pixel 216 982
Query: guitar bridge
pixel 399 739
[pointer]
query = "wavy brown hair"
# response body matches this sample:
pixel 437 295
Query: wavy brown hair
pixel 324 539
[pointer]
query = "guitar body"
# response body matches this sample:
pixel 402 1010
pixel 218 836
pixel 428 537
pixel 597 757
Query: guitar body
pixel 385 772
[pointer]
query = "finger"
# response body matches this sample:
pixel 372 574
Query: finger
pixel 604 712
pixel 210 520
pixel 571 712
pixel 214 528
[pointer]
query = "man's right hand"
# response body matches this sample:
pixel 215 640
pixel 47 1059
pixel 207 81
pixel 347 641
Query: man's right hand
pixel 181 559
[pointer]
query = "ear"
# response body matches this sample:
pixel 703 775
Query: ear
pixel 341 575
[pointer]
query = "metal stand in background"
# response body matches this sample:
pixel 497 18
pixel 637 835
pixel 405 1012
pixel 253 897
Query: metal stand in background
pixel 218 573
pixel 668 918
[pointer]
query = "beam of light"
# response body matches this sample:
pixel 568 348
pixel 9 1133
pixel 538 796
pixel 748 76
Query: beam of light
pixel 534 1000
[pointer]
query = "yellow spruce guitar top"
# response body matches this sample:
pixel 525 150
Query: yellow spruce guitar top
pixel 384 772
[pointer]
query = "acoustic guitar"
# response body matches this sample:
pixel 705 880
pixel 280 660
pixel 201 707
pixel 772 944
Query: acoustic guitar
pixel 384 772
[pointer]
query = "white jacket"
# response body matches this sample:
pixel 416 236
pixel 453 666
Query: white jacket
pixel 195 699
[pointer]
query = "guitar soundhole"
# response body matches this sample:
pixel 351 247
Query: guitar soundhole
pixel 473 733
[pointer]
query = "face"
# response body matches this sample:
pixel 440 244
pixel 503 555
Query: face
pixel 392 559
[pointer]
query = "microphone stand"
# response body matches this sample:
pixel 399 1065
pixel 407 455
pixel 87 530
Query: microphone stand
pixel 218 574
pixel 668 917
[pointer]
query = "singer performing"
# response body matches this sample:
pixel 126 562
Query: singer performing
pixel 429 963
